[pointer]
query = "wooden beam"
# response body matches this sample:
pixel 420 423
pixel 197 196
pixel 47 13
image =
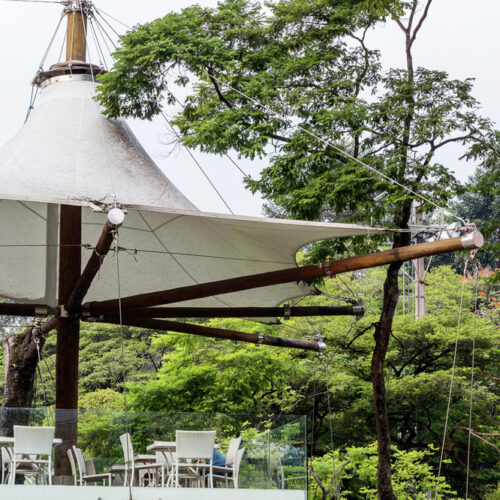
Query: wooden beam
pixel 76 46
pixel 26 310
pixel 220 333
pixel 68 335
pixel 243 312
pixel 91 269
pixel 469 241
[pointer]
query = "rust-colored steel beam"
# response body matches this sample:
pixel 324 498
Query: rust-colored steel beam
pixel 82 286
pixel 26 310
pixel 469 241
pixel 219 333
pixel 244 312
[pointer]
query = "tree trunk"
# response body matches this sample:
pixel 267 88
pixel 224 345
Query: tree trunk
pixel 21 361
pixel 383 330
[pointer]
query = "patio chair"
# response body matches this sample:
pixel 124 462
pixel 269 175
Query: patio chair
pixel 31 444
pixel 232 450
pixel 131 466
pixel 6 461
pixel 194 446
pixel 226 474
pixel 86 469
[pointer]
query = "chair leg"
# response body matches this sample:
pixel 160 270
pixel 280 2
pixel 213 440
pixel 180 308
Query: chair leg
pixel 13 471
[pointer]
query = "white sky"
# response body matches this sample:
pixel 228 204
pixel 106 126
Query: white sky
pixel 459 37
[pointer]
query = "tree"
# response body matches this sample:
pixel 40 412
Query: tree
pixel 310 65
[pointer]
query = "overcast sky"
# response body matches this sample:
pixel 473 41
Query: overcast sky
pixel 460 37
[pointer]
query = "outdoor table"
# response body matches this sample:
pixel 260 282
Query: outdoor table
pixel 168 446
pixel 8 442
pixel 145 459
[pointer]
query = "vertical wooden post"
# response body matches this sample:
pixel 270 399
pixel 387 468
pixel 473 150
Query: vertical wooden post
pixel 76 46
pixel 68 337
pixel 68 329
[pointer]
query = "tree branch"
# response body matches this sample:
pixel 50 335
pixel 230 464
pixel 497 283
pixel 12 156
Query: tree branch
pixel 452 139
pixel 422 19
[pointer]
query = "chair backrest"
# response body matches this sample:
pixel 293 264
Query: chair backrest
pixel 71 458
pixel 33 440
pixel 5 454
pixel 194 444
pixel 234 445
pixel 80 461
pixel 128 450
pixel 89 465
pixel 237 461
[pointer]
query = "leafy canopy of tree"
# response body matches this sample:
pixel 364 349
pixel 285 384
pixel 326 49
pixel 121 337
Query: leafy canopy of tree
pixel 309 62
pixel 310 65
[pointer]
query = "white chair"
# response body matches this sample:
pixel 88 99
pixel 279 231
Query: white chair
pixel 86 469
pixel 232 450
pixel 6 457
pixel 194 446
pixel 226 474
pixel 31 444
pixel 131 466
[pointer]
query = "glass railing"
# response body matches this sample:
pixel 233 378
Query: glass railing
pixel 275 451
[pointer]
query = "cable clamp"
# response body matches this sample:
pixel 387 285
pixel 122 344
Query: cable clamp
pixel 260 338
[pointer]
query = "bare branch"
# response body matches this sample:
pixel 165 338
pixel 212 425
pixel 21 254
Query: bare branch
pixel 422 19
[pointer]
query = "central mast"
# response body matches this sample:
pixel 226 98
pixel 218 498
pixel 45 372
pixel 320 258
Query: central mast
pixel 70 238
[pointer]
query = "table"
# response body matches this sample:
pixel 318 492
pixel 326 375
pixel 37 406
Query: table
pixel 8 442
pixel 163 446
pixel 145 459
pixel 168 446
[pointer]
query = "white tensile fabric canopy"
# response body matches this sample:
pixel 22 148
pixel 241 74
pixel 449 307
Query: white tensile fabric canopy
pixel 69 153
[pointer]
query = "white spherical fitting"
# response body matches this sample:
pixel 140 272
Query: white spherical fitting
pixel 116 216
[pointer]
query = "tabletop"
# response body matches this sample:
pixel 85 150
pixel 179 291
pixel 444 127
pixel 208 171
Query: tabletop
pixel 162 446
pixel 9 441
pixel 168 446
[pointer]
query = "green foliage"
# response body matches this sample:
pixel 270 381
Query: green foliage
pixel 308 62
pixel 353 474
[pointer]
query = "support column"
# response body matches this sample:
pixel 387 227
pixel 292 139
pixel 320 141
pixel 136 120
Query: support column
pixel 68 337
pixel 70 238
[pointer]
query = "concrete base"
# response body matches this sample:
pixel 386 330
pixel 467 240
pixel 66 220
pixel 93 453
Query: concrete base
pixel 22 492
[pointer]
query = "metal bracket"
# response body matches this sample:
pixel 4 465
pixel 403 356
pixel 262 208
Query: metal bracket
pixel 321 348
pixel 41 310
pixel 325 266
pixel 358 309
pixel 287 311
pixel 63 313
pixel 260 339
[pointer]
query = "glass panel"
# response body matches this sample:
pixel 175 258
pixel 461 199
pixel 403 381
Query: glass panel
pixel 274 458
